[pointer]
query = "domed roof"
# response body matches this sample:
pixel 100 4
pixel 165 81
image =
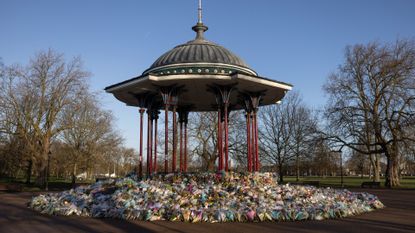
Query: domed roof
pixel 196 54
pixel 193 73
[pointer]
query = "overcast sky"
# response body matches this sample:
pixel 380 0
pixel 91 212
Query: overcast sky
pixel 299 42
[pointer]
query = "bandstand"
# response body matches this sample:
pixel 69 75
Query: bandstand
pixel 193 77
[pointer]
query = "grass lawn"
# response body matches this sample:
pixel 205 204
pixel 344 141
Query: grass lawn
pixel 54 184
pixel 349 181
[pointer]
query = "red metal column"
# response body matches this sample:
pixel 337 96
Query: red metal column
pixel 226 137
pixel 222 95
pixel 155 141
pixel 185 146
pixel 220 150
pixel 248 141
pixel 252 143
pixel 181 145
pixel 140 159
pixel 148 144
pixel 166 137
pixel 150 148
pixel 174 138
pixel 256 142
pixel 170 98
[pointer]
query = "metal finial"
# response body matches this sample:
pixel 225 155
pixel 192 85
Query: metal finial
pixel 199 28
pixel 199 10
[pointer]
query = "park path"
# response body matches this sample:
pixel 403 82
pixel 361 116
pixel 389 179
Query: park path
pixel 398 216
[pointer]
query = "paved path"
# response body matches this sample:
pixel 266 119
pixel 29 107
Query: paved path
pixel 398 216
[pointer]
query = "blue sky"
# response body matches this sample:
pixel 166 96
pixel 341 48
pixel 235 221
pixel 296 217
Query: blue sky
pixel 299 42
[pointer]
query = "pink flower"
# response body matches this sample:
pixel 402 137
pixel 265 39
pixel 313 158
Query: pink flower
pixel 250 215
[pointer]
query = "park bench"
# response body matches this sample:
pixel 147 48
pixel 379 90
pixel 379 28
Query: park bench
pixel 370 184
pixel 312 182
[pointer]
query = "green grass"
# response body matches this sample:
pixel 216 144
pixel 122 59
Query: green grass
pixel 55 184
pixel 349 182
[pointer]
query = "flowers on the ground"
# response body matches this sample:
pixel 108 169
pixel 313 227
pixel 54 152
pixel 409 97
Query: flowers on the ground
pixel 205 197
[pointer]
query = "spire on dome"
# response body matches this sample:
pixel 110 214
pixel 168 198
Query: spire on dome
pixel 199 10
pixel 199 28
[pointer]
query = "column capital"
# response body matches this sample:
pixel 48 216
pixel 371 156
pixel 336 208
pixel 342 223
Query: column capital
pixel 144 99
pixel 222 92
pixel 170 94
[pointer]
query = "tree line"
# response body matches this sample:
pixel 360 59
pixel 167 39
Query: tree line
pixel 51 122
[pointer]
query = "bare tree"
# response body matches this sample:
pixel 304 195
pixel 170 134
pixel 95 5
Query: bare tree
pixel 33 99
pixel 203 133
pixel 88 129
pixel 202 130
pixel 323 161
pixel 304 124
pixel 127 161
pixel 372 100
pixel 238 149
pixel 49 120
pixel 358 162
pixel 285 132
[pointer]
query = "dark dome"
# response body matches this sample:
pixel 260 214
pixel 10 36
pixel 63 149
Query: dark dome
pixel 199 53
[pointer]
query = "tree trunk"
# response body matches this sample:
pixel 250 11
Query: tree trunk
pixel 376 169
pixel 392 172
pixel 392 179
pixel 46 178
pixel 42 172
pixel 18 172
pixel 210 163
pixel 375 162
pixel 41 178
pixel 42 164
pixel 74 175
pixel 88 169
pixel 297 164
pixel 29 171
pixel 280 174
